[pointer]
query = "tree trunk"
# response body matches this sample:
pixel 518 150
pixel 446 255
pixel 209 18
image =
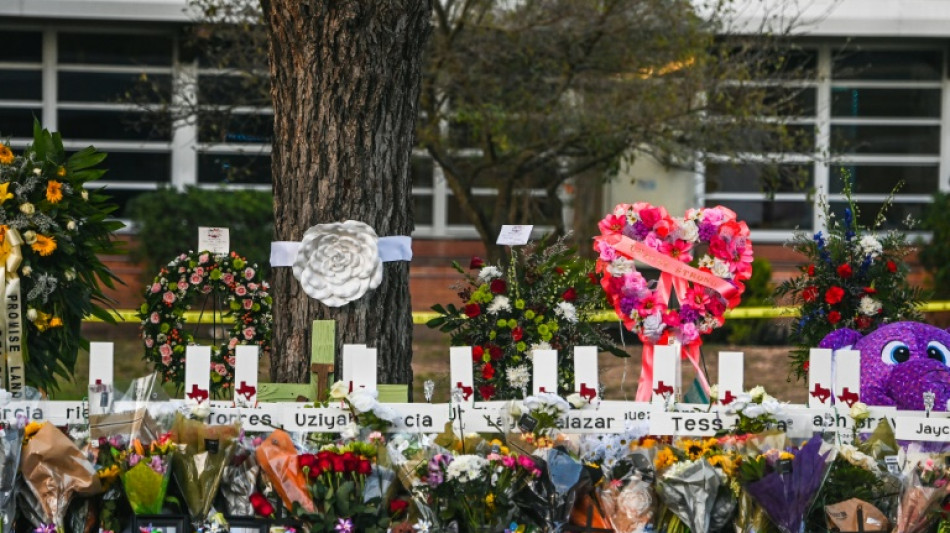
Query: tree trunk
pixel 345 80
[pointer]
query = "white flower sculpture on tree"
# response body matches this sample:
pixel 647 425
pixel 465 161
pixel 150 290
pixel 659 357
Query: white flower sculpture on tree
pixel 338 263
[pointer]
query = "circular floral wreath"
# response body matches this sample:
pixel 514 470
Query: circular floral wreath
pixel 728 257
pixel 169 296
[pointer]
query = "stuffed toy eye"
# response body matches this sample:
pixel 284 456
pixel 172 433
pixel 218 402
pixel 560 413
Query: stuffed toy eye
pixel 938 352
pixel 896 352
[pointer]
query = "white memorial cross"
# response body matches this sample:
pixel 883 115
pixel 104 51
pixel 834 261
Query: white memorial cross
pixel 359 367
pixel 585 373
pixel 198 373
pixel 731 376
pixel 820 386
pixel 245 375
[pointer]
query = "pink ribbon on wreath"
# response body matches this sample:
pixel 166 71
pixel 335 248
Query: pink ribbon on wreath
pixel 675 276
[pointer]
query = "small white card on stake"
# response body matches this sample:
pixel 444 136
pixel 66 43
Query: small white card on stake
pixel 517 235
pixel 101 363
pixel 585 372
pixel 245 374
pixel 820 387
pixel 731 379
pixel 214 240
pixel 666 371
pixel 847 377
pixel 359 366
pixel 198 373
pixel 545 371
pixel 461 375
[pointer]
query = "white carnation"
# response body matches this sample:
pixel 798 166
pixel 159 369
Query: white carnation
pixel 519 376
pixel 653 326
pixel 869 245
pixel 499 304
pixel 720 269
pixel 488 273
pixel 338 391
pixel 350 431
pixel 686 231
pixel 621 266
pixel 869 306
pixel 363 400
pixel 466 468
pixel 566 311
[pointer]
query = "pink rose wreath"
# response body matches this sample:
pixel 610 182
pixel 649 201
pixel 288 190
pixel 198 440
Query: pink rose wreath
pixel 705 286
pixel 170 294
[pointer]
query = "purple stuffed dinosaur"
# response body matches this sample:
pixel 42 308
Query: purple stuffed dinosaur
pixel 900 362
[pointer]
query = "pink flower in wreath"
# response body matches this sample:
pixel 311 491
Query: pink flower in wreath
pixel 167 359
pixel 713 215
pixel 149 342
pixel 697 297
pixel 248 333
pixel 672 319
pixel 169 297
pixel 650 305
pixel 252 286
pixel 154 318
pixel 607 252
pixel 230 360
pixel 206 289
pixel 196 279
pixel 651 216
pixel 155 288
pixel 248 303
pixel 227 278
pixel 677 249
pixel 232 343
pixel 165 350
pixel 612 224
pixel 181 270
pixel 182 285
pixel 687 333
pixel 249 273
pixel 203 258
pixel 652 241
pixel 240 290
pixel 200 271
pixel 221 369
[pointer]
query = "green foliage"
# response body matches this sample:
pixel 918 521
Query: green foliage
pixel 856 277
pixel 52 201
pixel 167 222
pixel 935 256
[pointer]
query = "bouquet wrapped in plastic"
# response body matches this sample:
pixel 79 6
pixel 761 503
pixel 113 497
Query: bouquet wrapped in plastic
pixel 277 457
pixel 146 470
pixel 923 491
pixel 698 494
pixel 550 496
pixel 787 490
pixel 199 462
pixel 240 478
pixel 54 471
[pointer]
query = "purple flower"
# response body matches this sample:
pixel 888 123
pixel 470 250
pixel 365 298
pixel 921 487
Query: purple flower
pixel 628 304
pixel 45 528
pixel 134 459
pixel 157 464
pixel 688 314
pixel 344 525
pixel 706 231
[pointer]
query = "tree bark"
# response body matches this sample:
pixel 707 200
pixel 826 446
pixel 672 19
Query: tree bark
pixel 345 78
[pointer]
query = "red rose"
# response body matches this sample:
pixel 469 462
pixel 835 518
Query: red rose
pixel 811 270
pixel 364 468
pixel 834 295
pixel 593 278
pixel 261 506
pixel 844 271
pixel 559 270
pixel 306 460
pixel 863 322
pixel 810 293
pixel 488 371
pixel 476 262
pixel 477 353
pixel 397 506
pixel 517 334
pixel 870 290
pixel 324 465
pixel 498 286
pixel 473 310
pixel 350 461
pixel 834 317
pixel 495 352
pixel 569 295
pixel 325 454
pixel 891 267
pixel 487 391
pixel 806 366
pixel 338 465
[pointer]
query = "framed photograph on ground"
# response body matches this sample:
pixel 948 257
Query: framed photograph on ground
pixel 160 523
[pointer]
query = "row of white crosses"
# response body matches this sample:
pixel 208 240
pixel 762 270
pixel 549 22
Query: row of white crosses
pixel 834 382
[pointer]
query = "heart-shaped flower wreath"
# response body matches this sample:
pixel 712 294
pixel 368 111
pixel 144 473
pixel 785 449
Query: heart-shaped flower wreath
pixel 704 291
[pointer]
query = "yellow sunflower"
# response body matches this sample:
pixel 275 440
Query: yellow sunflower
pixel 44 245
pixel 664 458
pixel 6 155
pixel 54 191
